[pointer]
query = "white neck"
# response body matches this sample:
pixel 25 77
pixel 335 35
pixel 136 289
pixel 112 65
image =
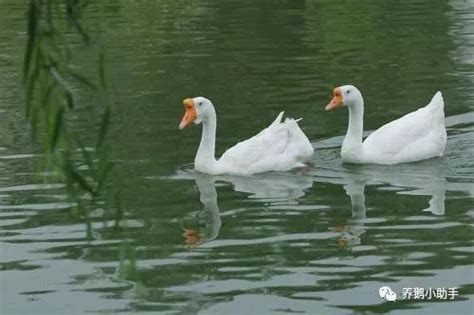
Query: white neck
pixel 356 192
pixel 352 144
pixel 208 194
pixel 205 160
pixel 210 214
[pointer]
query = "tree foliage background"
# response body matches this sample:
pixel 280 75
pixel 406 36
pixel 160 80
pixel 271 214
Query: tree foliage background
pixel 50 77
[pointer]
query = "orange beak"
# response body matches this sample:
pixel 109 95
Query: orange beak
pixel 191 237
pixel 336 100
pixel 189 114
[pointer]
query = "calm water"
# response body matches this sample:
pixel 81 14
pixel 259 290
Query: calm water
pixel 317 241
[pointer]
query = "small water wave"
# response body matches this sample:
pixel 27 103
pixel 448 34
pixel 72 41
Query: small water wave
pixel 30 187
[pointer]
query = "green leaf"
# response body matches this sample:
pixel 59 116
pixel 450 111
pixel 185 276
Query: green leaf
pixel 34 13
pixel 104 125
pixel 76 177
pixel 102 174
pixel 79 77
pixel 85 153
pixel 61 83
pixel 57 126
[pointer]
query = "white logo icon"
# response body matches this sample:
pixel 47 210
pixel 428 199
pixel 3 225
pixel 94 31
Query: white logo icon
pixel 387 293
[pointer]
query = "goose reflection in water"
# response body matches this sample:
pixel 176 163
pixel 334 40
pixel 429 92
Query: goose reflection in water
pixel 420 179
pixel 425 178
pixel 204 225
pixel 355 226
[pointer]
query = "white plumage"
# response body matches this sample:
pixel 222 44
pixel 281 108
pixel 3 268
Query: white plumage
pixel 416 136
pixel 281 146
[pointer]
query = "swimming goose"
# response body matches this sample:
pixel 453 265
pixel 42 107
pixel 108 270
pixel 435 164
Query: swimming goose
pixel 280 147
pixel 416 136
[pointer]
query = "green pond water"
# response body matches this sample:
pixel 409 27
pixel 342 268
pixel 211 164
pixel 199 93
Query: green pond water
pixel 317 241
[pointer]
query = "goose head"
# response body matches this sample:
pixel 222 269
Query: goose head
pixel 347 95
pixel 197 110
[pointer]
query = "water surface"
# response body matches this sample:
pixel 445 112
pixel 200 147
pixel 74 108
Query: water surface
pixel 315 241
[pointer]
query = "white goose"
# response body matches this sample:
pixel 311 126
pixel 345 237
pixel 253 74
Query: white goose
pixel 416 136
pixel 280 147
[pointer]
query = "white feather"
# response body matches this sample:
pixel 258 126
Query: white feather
pixel 279 147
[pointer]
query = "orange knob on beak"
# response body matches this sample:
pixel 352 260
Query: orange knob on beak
pixel 189 114
pixel 336 100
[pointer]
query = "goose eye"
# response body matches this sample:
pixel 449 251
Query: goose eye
pixel 200 103
pixel 347 92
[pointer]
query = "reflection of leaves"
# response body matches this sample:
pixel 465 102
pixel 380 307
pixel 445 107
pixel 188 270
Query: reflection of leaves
pixel 128 269
pixel 128 265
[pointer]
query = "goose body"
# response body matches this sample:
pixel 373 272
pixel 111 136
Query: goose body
pixel 281 146
pixel 416 136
